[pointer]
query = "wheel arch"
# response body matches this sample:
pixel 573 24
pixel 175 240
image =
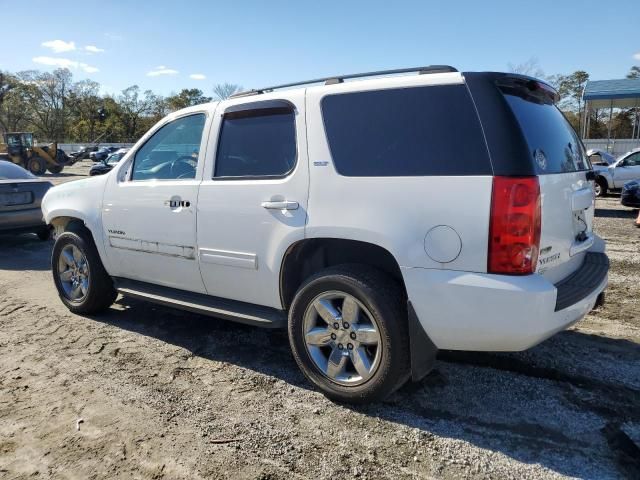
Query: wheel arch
pixel 306 257
pixel 603 179
pixel 75 221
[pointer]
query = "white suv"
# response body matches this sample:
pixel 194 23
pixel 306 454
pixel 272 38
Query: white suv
pixel 379 220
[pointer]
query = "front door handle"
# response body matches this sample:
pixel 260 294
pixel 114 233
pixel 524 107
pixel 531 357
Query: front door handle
pixel 280 205
pixel 177 203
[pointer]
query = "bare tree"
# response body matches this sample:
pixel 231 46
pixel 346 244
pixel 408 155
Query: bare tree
pixel 6 84
pixel 222 91
pixel 47 94
pixel 530 67
pixel 134 107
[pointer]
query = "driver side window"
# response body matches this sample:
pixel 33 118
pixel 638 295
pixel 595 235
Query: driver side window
pixel 632 160
pixel 172 152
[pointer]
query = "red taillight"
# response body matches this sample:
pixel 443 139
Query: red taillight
pixel 514 232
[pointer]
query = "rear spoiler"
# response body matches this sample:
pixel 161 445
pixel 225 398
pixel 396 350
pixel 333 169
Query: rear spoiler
pixel 528 88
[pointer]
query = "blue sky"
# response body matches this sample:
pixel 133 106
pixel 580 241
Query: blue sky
pixel 161 45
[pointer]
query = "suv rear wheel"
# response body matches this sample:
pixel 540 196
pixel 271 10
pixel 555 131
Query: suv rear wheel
pixel 348 333
pixel 83 284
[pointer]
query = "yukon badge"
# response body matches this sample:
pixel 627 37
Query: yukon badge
pixel 541 158
pixel 116 232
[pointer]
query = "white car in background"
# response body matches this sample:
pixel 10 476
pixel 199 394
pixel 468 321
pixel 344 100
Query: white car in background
pixel 614 176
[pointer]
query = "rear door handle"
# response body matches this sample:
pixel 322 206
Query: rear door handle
pixel 280 205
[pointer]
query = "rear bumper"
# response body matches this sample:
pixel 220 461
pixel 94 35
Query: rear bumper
pixel 21 220
pixel 484 312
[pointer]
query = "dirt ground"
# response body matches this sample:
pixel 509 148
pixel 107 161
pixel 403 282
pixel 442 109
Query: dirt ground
pixel 148 392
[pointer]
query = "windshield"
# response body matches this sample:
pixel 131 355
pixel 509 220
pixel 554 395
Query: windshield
pixel 11 171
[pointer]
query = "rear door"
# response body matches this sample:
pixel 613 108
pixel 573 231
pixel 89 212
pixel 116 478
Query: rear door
pixel 252 203
pixel 561 165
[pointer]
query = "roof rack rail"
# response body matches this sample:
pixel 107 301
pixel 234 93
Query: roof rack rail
pixel 341 78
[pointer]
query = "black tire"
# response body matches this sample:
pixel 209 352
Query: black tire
pixel 44 233
pixel 36 165
pixel 55 169
pixel 600 187
pixel 385 300
pixel 100 292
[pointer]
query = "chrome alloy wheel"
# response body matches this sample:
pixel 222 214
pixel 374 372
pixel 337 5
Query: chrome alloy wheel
pixel 73 272
pixel 342 338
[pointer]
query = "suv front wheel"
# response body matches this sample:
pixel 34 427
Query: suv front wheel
pixel 348 333
pixel 83 284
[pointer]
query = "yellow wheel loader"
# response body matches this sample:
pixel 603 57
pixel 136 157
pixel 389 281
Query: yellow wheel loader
pixel 19 148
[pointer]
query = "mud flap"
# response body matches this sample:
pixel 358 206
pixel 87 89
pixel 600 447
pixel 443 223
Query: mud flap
pixel 423 350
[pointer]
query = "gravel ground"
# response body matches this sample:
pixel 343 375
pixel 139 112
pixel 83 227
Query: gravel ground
pixel 149 392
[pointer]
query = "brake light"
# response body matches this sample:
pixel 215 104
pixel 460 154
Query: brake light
pixel 514 231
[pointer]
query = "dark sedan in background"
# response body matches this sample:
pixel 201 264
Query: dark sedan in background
pixel 102 153
pixel 83 153
pixel 631 194
pixel 106 165
pixel 20 197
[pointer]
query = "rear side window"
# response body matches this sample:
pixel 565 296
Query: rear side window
pixel 553 144
pixel 257 143
pixel 416 131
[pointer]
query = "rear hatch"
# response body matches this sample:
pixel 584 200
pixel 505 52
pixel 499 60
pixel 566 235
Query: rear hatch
pixel 559 160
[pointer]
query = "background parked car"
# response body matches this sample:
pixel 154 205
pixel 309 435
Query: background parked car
pixel 21 193
pixel 84 152
pixel 600 157
pixel 631 194
pixel 613 177
pixel 102 153
pixel 106 165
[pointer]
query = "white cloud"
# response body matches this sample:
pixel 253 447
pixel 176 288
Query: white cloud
pixel 65 63
pixel 88 68
pixel 59 46
pixel 636 56
pixel 56 62
pixel 93 49
pixel 162 70
pixel 197 76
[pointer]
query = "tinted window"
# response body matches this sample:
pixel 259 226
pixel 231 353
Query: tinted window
pixel 257 143
pixel 11 171
pixel 405 132
pixel 172 152
pixel 553 144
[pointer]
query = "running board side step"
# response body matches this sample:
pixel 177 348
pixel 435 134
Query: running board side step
pixel 236 311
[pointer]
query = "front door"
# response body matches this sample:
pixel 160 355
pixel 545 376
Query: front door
pixel 149 208
pixel 628 169
pixel 252 203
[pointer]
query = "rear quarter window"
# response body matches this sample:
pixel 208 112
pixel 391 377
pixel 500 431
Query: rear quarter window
pixel 417 131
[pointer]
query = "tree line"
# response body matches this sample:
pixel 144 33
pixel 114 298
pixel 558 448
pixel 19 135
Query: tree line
pixel 55 107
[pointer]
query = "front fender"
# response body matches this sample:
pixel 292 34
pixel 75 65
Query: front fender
pixel 81 200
